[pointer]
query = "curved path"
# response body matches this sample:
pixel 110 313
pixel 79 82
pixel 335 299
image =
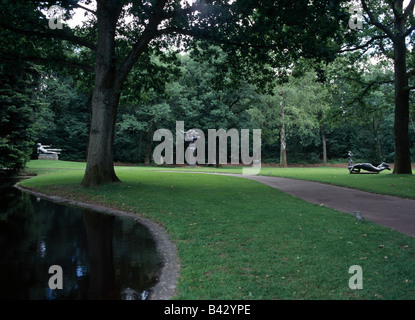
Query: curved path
pixel 393 212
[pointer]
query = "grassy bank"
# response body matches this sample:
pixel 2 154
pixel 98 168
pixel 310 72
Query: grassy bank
pixel 239 239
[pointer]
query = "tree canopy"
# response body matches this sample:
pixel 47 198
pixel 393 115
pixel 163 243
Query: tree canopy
pixel 133 66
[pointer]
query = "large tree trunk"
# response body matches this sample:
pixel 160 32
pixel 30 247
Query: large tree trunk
pixel 100 168
pixel 89 106
pixel 283 141
pixel 402 145
pixel 108 84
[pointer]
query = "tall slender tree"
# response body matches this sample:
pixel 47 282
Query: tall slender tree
pixel 390 24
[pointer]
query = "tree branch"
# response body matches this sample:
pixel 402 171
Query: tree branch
pixel 411 73
pixel 207 36
pixel 363 46
pixel 85 8
pixel 395 12
pixel 50 35
pixel 376 23
pixel 382 48
pixel 141 45
pixel 409 31
pixel 409 10
pixel 62 62
pixel 70 2
pixel 368 86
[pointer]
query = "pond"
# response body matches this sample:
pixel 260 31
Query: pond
pixel 100 256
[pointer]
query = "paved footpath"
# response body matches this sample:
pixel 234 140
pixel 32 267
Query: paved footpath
pixel 393 212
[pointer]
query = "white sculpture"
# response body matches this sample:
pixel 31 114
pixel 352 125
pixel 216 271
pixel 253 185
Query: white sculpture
pixel 42 149
pixel 45 153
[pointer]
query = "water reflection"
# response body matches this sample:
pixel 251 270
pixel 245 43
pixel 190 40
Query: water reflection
pixel 99 230
pixel 102 256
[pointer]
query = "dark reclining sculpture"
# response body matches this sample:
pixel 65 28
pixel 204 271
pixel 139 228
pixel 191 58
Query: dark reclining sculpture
pixel 368 167
pixel 355 168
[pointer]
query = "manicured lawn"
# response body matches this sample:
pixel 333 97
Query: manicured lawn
pixel 239 239
pixel 53 164
pixel 382 183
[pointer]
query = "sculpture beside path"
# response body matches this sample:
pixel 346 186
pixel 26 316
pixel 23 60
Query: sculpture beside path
pixel 355 168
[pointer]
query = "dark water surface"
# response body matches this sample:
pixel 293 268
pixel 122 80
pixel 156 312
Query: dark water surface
pixel 101 256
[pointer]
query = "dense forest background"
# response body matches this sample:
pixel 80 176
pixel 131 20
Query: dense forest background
pixel 334 107
pixel 313 112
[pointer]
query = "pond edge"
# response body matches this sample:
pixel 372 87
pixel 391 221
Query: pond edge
pixel 166 285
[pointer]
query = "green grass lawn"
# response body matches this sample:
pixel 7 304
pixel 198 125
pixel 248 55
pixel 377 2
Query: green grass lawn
pixel 240 239
pixel 382 183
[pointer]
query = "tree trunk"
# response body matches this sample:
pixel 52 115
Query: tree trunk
pixel 401 126
pixel 324 141
pixel 89 106
pixel 105 99
pixel 283 143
